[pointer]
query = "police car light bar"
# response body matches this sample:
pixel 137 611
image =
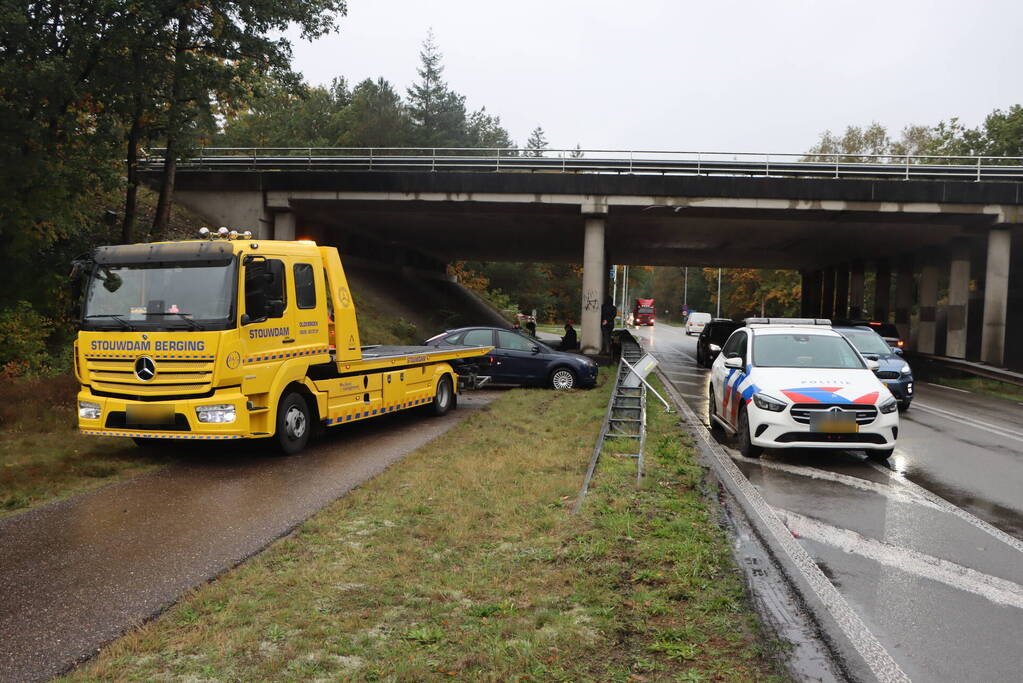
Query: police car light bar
pixel 788 321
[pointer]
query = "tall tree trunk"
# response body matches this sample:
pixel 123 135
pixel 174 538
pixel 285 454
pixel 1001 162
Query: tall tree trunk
pixel 128 226
pixel 175 127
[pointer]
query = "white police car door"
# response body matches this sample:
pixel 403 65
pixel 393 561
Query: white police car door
pixel 735 346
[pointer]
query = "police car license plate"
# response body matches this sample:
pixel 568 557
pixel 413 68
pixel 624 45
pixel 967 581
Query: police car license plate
pixel 831 423
pixel 149 416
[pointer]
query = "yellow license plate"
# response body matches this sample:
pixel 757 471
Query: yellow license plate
pixel 149 416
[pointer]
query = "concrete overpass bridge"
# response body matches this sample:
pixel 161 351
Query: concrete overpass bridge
pixel 926 222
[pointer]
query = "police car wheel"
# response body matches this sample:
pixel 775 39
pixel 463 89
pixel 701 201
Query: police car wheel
pixel 746 446
pixel 712 411
pixel 444 399
pixel 293 423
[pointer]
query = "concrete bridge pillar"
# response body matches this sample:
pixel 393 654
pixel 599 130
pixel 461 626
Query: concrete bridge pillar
pixel 828 293
pixel 594 280
pixel 284 226
pixel 804 293
pixel 904 296
pixel 882 290
pixel 996 297
pixel 958 298
pixel 842 291
pixel 926 337
pixel 811 294
pixel 856 290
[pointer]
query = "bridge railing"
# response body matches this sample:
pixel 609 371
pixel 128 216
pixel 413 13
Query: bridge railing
pixel 617 161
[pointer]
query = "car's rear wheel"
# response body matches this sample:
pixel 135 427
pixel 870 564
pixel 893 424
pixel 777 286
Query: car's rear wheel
pixel 746 446
pixel 880 456
pixel 562 379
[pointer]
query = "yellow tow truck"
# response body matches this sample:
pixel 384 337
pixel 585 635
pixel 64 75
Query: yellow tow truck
pixel 229 337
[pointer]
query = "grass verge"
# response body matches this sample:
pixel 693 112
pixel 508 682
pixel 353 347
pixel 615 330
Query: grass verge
pixel 43 458
pixel 464 561
pixel 982 385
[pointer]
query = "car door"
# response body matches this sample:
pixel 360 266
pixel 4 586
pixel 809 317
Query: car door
pixel 515 360
pixel 719 375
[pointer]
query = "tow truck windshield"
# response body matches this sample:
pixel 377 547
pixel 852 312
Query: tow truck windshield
pixel 185 296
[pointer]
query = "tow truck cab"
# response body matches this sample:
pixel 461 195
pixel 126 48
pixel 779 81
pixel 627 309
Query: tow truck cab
pixel 229 338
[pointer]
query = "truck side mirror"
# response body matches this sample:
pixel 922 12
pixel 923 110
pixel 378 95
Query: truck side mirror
pixel 275 308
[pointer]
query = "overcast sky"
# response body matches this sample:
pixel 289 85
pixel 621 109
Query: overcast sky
pixel 716 75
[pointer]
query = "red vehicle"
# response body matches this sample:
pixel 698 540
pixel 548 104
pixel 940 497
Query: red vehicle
pixel 643 312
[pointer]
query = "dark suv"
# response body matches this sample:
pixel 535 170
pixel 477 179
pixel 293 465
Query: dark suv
pixel 893 371
pixel 712 338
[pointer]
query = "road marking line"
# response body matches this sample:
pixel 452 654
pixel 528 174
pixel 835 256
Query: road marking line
pixel 880 662
pixel 962 514
pixel 896 492
pixel 942 386
pixel 971 422
pixel 998 591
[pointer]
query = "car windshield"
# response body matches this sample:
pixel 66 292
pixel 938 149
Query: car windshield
pixel 795 350
pixel 168 297
pixel 645 309
pixel 866 342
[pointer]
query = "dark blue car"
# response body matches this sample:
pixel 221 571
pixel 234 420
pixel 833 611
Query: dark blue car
pixel 519 359
pixel 893 370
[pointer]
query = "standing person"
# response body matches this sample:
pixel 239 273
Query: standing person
pixel 569 341
pixel 531 326
pixel 607 323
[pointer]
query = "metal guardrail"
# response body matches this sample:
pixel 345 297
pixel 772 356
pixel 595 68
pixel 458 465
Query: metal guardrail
pixel 625 417
pixel 634 162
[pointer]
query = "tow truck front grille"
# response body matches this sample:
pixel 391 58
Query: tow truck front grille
pixel 116 376
pixel 864 414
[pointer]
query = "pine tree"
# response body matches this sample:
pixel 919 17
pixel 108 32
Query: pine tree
pixel 438 114
pixel 537 143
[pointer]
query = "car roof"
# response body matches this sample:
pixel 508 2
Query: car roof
pixel 794 329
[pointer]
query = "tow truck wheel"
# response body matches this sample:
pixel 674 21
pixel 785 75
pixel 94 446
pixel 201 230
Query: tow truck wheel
pixel 746 446
pixel 293 423
pixel 880 456
pixel 444 399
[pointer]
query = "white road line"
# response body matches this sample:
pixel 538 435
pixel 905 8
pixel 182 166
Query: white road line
pixel 998 591
pixel 881 663
pixel 962 514
pixel 970 422
pixel 942 386
pixel 686 381
pixel 896 492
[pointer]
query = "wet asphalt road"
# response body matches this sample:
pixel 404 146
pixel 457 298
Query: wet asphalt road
pixel 929 550
pixel 76 574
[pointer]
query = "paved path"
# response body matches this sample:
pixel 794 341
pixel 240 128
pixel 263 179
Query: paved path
pixel 76 574
pixel 928 551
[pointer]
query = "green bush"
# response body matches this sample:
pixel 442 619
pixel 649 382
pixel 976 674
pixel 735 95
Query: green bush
pixel 23 335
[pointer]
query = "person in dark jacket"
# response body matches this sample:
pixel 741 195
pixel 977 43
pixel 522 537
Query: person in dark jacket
pixel 607 323
pixel 569 342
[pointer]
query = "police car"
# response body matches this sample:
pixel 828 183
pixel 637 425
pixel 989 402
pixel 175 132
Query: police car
pixel 795 382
